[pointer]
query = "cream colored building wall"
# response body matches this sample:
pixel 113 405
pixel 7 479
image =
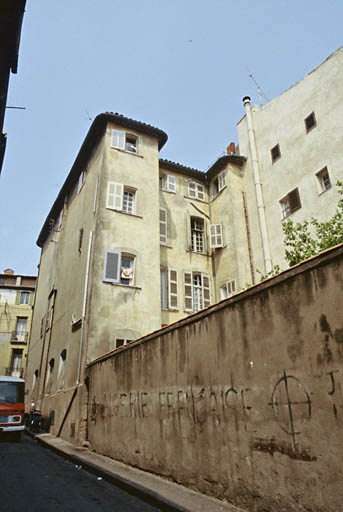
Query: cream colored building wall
pixel 302 154
pixel 227 209
pixel 176 253
pixel 62 268
pixel 120 311
pixel 10 311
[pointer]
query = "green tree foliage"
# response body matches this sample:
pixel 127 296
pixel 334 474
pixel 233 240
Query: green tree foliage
pixel 308 238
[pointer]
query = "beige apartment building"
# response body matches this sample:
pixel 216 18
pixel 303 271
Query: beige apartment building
pixel 16 300
pixel 134 242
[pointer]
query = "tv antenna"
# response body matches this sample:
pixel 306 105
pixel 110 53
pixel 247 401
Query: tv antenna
pixel 260 93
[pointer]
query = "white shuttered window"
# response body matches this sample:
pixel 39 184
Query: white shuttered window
pixel 118 139
pixel 197 294
pixel 172 282
pixel 163 226
pixel 115 191
pixel 216 236
pixel 112 266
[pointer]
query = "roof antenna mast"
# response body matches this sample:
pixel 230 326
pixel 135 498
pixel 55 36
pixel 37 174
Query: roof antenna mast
pixel 259 90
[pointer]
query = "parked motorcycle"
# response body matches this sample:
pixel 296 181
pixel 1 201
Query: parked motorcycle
pixel 34 421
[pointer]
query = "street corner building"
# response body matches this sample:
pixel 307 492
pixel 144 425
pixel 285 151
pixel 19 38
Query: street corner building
pixel 134 244
pixel 16 303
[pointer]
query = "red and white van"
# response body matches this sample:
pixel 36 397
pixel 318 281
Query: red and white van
pixel 12 406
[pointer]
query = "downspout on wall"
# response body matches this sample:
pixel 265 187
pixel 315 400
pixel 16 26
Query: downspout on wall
pixel 258 187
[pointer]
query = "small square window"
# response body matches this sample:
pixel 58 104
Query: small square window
pixel 228 289
pixel 310 122
pixel 129 201
pixel 126 270
pixel 324 181
pixel 275 152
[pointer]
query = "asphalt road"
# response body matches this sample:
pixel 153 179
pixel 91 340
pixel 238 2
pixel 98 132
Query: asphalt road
pixel 35 479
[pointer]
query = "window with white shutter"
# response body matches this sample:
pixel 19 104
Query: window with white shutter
pixel 114 199
pixel 118 139
pixel 228 289
pixel 171 183
pixel 163 226
pixel 216 236
pixel 197 293
pixel 195 190
pixel 172 288
pixel 164 291
pixel 188 291
pixel 112 266
pixel 219 183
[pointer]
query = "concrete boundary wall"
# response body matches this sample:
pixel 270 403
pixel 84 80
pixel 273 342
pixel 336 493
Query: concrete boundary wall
pixel 242 401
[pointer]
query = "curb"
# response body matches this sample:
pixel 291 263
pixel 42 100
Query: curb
pixel 200 502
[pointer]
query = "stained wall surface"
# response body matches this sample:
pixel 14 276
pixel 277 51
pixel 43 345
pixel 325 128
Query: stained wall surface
pixel 242 401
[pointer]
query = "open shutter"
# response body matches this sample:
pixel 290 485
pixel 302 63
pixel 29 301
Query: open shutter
pixel 200 190
pixel 112 266
pixel 216 236
pixel 164 300
pixel 172 288
pixel 206 290
pixel 163 225
pixel 294 200
pixel 188 232
pixel 171 183
pixel 115 192
pixel 188 291
pixel 118 139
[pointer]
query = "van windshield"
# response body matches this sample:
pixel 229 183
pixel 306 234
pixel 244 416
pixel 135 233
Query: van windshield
pixel 12 392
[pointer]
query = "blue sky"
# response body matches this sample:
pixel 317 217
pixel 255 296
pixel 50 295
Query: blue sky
pixel 180 65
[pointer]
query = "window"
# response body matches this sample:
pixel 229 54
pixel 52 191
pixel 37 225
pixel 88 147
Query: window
pixel 195 190
pixel 290 203
pixel 228 289
pixel 62 369
pixel 59 220
pixel 35 379
pixel 275 153
pixel 125 141
pixel 80 239
pixel 121 198
pixel 16 362
pixel 324 181
pixel 24 297
pixel 219 183
pixel 49 375
pixel 119 268
pixel 163 226
pixel 310 122
pixel 197 293
pixel 169 288
pixel 20 331
pixel 168 182
pixel 216 236
pixel 120 342
pixel 197 235
pixel 80 182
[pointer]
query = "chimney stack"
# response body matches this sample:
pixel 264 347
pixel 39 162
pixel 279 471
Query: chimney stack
pixel 231 149
pixel 9 271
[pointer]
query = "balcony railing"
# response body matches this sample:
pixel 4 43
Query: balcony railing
pixel 19 337
pixel 14 372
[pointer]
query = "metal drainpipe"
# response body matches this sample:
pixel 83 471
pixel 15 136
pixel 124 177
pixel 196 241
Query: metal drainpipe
pixel 84 307
pixel 258 187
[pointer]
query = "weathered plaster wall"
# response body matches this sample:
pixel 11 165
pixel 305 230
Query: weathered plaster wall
pixel 281 121
pixel 242 401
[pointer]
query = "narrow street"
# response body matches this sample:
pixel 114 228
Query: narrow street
pixel 35 478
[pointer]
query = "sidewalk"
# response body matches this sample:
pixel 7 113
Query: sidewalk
pixel 165 495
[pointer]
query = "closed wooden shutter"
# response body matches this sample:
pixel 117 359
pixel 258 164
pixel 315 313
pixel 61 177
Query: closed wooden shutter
pixel 118 139
pixel 163 225
pixel 188 291
pixel 112 266
pixel 172 274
